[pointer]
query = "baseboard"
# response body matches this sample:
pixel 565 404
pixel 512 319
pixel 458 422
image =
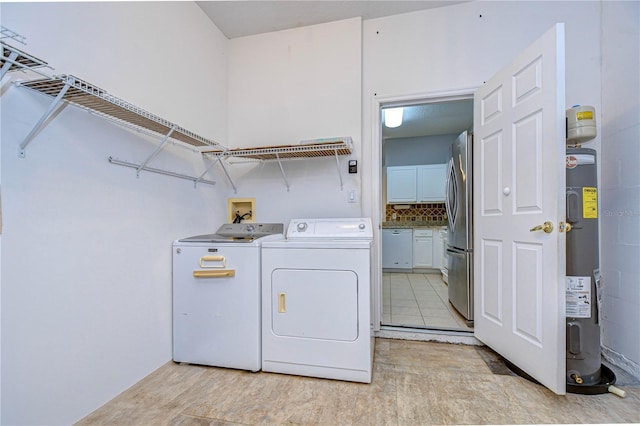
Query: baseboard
pixel 621 361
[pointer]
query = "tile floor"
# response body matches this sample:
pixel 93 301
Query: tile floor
pixel 418 300
pixel 414 383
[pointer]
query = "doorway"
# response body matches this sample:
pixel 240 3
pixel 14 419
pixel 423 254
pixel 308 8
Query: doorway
pixel 414 157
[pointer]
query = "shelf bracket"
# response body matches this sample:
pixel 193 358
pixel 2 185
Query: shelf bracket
pixel 7 65
pixel 158 149
pixel 41 122
pixel 284 176
pixel 224 169
pixel 338 164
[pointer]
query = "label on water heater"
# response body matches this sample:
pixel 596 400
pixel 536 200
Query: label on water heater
pixel 578 294
pixel 589 203
pixel 584 115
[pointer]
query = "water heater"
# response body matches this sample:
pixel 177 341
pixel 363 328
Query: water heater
pixel 584 373
pixel 583 329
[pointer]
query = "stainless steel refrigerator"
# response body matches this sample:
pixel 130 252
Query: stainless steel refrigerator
pixel 460 216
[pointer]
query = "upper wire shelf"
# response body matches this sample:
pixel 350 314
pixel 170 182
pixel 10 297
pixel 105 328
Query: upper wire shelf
pixel 306 149
pixel 20 60
pixel 14 59
pixel 331 147
pixel 80 93
pixel 90 97
pixel 7 33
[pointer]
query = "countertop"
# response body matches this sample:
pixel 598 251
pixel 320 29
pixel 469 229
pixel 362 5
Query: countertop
pixel 414 224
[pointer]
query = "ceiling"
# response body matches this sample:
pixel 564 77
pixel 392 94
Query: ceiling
pixel 441 118
pixel 239 18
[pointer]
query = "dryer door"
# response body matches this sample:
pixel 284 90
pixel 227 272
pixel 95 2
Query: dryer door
pixel 315 304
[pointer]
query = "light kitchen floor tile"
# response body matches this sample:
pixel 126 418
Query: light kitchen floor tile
pixel 428 291
pixel 404 302
pixel 414 383
pixel 407 320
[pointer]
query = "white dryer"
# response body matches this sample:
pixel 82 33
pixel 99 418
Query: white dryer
pixel 316 300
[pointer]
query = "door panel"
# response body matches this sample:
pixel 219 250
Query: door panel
pixel 315 304
pixel 527 158
pixel 491 177
pixel 528 291
pixel 520 180
pixel 490 296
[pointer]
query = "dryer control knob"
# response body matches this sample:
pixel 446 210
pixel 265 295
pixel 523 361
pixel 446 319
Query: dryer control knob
pixel 362 226
pixel 302 226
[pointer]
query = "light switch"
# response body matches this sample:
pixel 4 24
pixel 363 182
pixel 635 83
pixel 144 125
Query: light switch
pixel 352 196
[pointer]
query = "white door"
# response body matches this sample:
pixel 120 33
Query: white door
pixel 519 183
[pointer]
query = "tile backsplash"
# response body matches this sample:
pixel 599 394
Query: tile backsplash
pixel 417 213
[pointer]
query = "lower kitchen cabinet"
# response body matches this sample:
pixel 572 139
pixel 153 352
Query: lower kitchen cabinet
pixel 423 248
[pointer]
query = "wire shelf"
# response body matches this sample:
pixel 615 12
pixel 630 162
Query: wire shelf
pixel 307 149
pixel 13 59
pixel 7 33
pixel 90 97
pixel 330 147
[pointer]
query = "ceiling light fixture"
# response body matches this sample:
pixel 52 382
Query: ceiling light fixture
pixel 393 117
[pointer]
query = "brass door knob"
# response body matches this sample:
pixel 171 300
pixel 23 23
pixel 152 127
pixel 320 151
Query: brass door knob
pixel 547 227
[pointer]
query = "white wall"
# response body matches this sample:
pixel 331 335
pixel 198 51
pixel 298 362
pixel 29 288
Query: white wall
pixel 620 189
pixel 86 256
pixel 461 46
pixel 289 86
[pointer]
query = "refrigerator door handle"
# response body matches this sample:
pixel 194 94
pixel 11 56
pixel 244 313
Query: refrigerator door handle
pixel 455 252
pixel 450 193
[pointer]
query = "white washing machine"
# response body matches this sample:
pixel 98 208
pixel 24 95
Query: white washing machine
pixel 216 296
pixel 316 300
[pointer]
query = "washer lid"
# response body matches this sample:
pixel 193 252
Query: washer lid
pixel 238 233
pixel 215 238
pixel 330 228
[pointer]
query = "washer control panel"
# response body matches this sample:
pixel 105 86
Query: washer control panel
pixel 246 230
pixel 334 228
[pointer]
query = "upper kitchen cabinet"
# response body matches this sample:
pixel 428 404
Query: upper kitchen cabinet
pixel 431 183
pixel 402 184
pixel 416 184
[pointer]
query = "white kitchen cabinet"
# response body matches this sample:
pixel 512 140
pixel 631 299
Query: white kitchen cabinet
pixel 416 184
pixel 402 184
pixel 397 249
pixel 423 246
pixel 431 183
